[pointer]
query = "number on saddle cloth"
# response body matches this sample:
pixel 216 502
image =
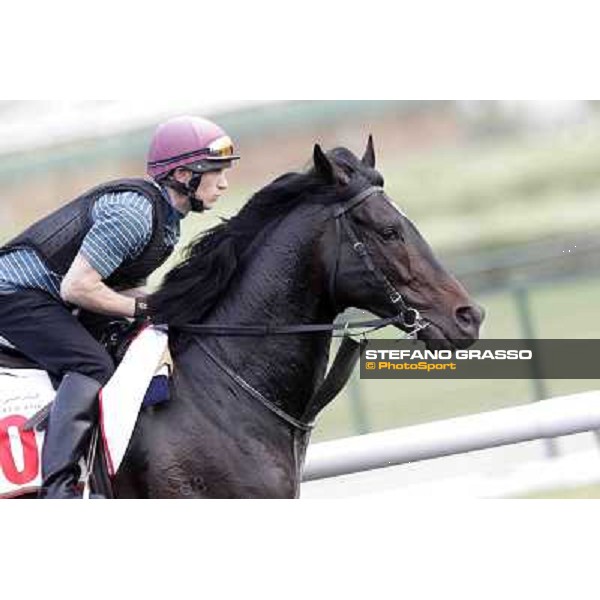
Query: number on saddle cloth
pixel 23 392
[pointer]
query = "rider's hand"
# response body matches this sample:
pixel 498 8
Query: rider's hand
pixel 142 311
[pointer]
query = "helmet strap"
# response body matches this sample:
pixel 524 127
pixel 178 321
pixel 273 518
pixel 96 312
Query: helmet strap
pixel 189 190
pixel 197 206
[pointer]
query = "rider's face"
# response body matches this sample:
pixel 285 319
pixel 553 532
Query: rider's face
pixel 212 185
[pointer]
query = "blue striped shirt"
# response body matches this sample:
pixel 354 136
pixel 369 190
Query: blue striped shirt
pixel 122 226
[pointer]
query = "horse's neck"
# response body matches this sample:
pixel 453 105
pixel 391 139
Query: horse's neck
pixel 281 284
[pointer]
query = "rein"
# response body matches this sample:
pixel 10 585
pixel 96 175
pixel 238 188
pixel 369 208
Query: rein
pixel 349 351
pixel 267 330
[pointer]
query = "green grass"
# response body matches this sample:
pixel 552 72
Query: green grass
pixel 492 195
pixel 584 492
pixel 462 180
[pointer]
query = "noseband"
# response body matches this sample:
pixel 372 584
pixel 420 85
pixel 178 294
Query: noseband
pixel 410 318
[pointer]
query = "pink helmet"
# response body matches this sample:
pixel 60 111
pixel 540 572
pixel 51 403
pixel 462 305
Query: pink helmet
pixel 191 142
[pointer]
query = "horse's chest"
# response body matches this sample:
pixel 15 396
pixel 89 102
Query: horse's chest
pixel 216 457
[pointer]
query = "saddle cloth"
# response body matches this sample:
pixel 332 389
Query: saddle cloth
pixel 141 379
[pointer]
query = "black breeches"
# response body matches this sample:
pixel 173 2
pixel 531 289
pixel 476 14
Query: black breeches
pixel 45 331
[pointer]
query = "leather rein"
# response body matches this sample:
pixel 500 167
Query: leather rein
pixel 407 317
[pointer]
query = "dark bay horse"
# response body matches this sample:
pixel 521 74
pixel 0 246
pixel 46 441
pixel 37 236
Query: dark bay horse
pixel 303 249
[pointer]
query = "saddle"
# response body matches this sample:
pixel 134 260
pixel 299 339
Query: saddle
pixel 141 381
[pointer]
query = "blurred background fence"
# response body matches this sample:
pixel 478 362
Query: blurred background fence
pixel 507 193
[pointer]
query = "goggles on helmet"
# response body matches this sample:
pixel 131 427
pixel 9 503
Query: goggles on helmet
pixel 220 149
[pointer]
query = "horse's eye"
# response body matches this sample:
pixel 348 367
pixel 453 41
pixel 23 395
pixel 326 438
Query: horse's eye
pixel 391 233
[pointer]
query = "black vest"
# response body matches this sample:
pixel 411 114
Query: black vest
pixel 57 238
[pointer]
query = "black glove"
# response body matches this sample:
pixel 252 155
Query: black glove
pixel 142 311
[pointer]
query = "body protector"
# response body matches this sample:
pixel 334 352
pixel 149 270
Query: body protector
pixel 57 238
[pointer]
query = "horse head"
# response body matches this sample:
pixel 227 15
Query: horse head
pixel 380 262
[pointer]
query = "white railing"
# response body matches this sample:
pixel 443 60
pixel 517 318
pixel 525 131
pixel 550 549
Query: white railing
pixel 545 419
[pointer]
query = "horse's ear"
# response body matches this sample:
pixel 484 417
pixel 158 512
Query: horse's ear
pixel 323 165
pixel 368 158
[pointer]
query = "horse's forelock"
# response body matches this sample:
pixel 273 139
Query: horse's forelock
pixel 354 167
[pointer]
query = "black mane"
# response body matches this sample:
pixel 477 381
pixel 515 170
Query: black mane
pixel 191 289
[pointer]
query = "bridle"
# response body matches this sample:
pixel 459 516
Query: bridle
pixel 409 318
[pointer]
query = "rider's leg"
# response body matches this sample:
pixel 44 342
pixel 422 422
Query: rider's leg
pixel 46 331
pixel 72 418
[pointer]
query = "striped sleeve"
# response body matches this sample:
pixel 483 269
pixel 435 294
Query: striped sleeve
pixel 122 228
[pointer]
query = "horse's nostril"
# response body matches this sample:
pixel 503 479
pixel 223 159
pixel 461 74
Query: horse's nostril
pixel 468 317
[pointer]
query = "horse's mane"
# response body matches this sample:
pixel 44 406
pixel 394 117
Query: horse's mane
pixel 191 289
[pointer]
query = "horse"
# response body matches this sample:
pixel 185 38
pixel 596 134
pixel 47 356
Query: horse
pixel 301 251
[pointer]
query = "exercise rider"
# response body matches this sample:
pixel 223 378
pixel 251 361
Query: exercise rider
pixel 93 253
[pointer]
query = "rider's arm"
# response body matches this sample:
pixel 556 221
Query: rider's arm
pixel 138 292
pixel 122 228
pixel 83 286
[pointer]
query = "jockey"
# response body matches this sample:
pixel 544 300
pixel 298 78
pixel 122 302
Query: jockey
pixel 94 253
